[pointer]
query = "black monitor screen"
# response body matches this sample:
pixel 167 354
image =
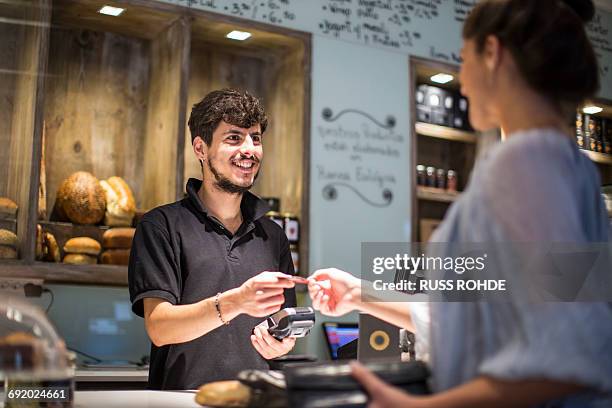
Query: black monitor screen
pixel 338 334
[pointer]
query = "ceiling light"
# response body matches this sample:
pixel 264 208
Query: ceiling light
pixel 238 35
pixel 441 78
pixel 111 11
pixel 592 109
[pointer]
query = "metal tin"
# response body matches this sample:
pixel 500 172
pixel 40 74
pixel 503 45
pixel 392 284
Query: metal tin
pixel 292 228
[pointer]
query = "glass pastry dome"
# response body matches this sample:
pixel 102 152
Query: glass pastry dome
pixel 30 348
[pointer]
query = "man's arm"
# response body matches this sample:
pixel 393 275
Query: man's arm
pixel 259 296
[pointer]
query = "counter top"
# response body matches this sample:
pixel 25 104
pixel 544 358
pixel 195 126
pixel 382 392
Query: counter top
pixel 90 375
pixel 135 399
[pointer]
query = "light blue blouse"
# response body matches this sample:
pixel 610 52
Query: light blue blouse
pixel 535 187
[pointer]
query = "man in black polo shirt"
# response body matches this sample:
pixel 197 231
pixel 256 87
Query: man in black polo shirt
pixel 207 269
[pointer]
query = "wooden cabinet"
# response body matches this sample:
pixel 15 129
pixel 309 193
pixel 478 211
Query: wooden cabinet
pixel 439 146
pixel 112 95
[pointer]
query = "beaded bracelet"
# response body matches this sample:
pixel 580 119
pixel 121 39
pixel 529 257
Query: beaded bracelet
pixel 219 309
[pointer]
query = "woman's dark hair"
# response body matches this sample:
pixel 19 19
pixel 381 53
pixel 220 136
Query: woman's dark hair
pixel 232 106
pixel 548 41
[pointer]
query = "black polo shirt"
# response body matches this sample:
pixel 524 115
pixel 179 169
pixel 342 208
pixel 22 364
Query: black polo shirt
pixel 183 255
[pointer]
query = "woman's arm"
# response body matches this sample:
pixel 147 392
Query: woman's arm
pixel 482 392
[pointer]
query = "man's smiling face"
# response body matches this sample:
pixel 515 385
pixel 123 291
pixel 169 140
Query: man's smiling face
pixel 234 157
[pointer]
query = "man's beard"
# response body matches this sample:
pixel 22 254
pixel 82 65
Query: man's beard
pixel 225 184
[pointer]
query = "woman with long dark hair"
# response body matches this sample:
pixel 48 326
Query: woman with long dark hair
pixel 527 66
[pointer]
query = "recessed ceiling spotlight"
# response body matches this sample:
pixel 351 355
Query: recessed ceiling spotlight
pixel 442 78
pixel 111 11
pixel 238 35
pixel 592 109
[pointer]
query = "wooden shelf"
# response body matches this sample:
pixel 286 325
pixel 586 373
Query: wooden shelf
pixel 443 132
pixel 601 158
pixel 111 275
pixel 436 194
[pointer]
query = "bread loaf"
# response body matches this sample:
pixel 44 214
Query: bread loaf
pixel 120 204
pixel 118 238
pixel 8 206
pixel 7 252
pixel 82 245
pixel 51 250
pixel 224 394
pixel 115 257
pixel 80 259
pixel 8 238
pixel 81 198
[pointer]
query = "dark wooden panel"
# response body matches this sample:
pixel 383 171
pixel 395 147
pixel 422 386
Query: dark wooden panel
pixel 213 68
pixel 283 170
pixel 165 115
pixel 95 107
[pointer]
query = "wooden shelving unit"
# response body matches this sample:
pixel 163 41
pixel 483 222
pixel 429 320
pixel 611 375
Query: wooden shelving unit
pixel 436 194
pixel 603 161
pixel 438 146
pixel 113 99
pixel 108 275
pixel 446 133
pixel 601 158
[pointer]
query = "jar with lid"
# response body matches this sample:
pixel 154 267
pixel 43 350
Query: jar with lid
pixel 421 175
pixel 451 180
pixel 292 228
pixel 441 178
pixel 430 179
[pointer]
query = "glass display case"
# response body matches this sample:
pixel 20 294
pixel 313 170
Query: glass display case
pixel 34 363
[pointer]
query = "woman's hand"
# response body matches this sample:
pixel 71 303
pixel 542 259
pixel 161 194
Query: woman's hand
pixel 381 394
pixel 334 292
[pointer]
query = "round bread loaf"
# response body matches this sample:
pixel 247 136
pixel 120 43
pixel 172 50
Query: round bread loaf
pixel 115 257
pixel 82 245
pixel 80 259
pixel 224 394
pixel 8 206
pixel 120 204
pixel 8 238
pixel 7 252
pixel 81 198
pixel 118 238
pixel 51 249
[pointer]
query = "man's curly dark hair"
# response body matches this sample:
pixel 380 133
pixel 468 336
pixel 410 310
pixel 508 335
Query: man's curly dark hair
pixel 232 106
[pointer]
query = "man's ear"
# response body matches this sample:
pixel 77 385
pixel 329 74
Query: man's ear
pixel 200 149
pixel 492 53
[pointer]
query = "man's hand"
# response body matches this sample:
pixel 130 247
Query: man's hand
pixel 268 346
pixel 381 394
pixel 261 295
pixel 334 292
